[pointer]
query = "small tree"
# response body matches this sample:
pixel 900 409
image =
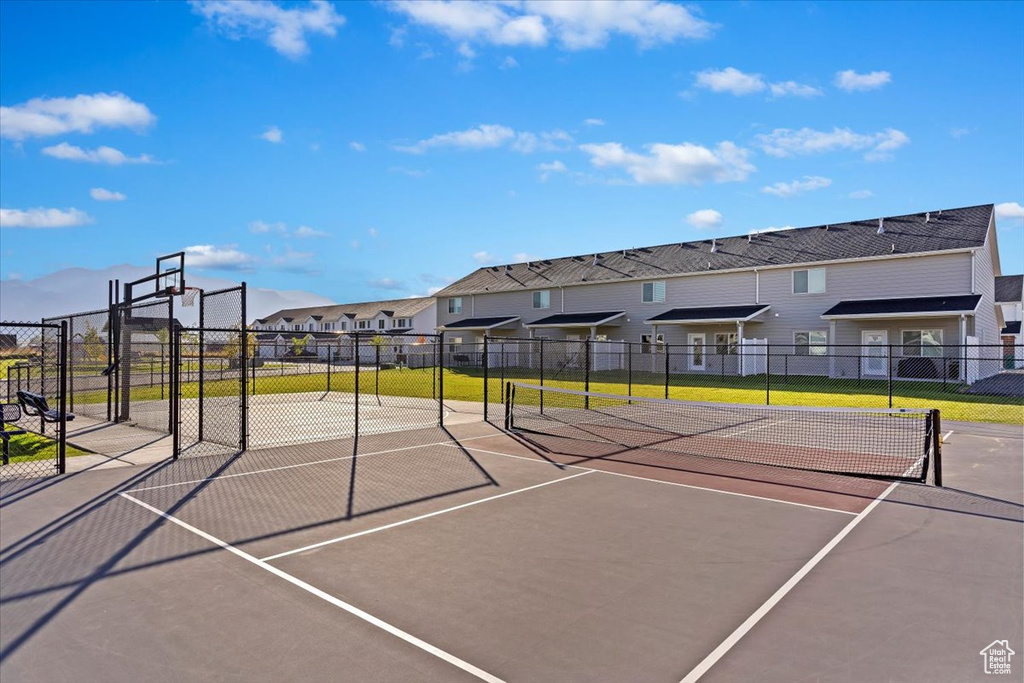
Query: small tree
pixel 94 347
pixel 299 345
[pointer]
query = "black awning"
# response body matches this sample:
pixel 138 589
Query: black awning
pixel 916 307
pixel 709 314
pixel 1012 327
pixel 481 323
pixel 578 319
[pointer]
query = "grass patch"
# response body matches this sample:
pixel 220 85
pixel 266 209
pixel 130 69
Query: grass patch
pixel 30 446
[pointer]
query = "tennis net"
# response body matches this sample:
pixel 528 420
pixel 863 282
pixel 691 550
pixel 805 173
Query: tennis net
pixel 886 444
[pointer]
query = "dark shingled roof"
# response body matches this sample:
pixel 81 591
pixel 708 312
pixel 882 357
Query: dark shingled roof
pixel 952 229
pixel 480 323
pixel 401 308
pixel 1012 327
pixel 922 305
pixel 560 319
pixel 708 313
pixel 1008 288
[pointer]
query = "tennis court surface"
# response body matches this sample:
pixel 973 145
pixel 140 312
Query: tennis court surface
pixel 469 553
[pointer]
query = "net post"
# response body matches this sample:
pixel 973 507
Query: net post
pixel 486 377
pixel 936 447
pixel 62 426
pixel 508 406
pixel 888 373
pixel 586 371
pixel 440 379
pixel 667 346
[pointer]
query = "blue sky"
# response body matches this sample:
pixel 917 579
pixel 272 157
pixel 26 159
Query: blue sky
pixel 380 150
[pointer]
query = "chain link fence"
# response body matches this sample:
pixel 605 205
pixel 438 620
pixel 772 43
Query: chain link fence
pixel 90 358
pixel 33 370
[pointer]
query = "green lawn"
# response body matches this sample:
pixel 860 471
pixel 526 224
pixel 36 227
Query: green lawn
pixel 27 447
pixel 467 385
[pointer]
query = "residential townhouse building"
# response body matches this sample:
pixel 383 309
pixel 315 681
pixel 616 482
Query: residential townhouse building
pixel 922 282
pixel 1009 292
pixel 323 328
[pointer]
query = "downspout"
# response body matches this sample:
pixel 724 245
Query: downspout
pixel 561 292
pixel 757 286
pixel 472 305
pixel 974 256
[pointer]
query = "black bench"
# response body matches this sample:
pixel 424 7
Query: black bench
pixel 9 414
pixel 461 358
pixel 35 405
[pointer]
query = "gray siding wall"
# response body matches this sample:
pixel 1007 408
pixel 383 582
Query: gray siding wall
pixel 986 325
pixel 898 277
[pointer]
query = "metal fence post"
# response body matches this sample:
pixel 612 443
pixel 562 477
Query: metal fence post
pixel 586 371
pixel 173 351
pixel 667 346
pixel 330 359
pixel 629 368
pixel 440 380
pixel 936 447
pixel 768 373
pixel 62 426
pixel 541 375
pixel 486 377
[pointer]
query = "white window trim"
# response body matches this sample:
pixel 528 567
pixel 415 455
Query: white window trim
pixel 731 347
pixel 654 299
pixel 690 338
pixel 942 341
pixel 658 342
pixel 533 301
pixel 792 283
pixel 452 299
pixel 810 345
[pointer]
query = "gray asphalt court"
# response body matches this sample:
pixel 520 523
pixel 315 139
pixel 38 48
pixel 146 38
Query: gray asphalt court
pixel 464 553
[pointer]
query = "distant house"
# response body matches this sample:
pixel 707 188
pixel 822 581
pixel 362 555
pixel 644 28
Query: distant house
pixel 1010 297
pixel 919 284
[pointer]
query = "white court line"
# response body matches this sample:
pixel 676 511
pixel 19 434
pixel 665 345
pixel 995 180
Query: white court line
pixel 416 519
pixel 948 434
pixel 669 483
pixel 351 609
pixel 754 429
pixel 761 611
pixel 303 464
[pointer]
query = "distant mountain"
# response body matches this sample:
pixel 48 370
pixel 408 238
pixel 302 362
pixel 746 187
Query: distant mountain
pixel 83 289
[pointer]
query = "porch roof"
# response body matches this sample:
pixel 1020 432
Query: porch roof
pixel 481 323
pixel 919 307
pixel 1012 327
pixel 596 319
pixel 709 314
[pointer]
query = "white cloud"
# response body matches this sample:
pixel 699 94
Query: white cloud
pixel 808 184
pixel 357 146
pixel 411 172
pixel 306 231
pixel 861 194
pixel 730 80
pixel 705 219
pixel 771 228
pixel 100 155
pixel 386 283
pixel 355 245
pixel 524 257
pixel 466 51
pixel 575 25
pixel 492 136
pixel 292 261
pixel 593 122
pixel 272 134
pixel 285 30
pixel 42 218
pixel 793 89
pixel 958 133
pixel 431 291
pixel 224 258
pixel 786 142
pixel 262 228
pixel 42 116
pixel 1010 211
pixel 683 164
pixel 102 195
pixel 372 232
pixel 508 63
pixel 851 81
pixel 483 258
pixel 546 170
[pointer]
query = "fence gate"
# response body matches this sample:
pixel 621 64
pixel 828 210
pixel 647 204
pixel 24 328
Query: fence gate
pixel 143 363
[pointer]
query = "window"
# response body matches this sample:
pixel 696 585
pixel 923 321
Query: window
pixel 455 305
pixel 311 326
pixel 601 338
pixel 809 281
pixel 380 324
pixel 645 343
pixel 344 325
pixel 328 327
pixel 726 343
pixel 811 343
pixel 654 292
pixel 454 343
pixel 296 327
pixel 400 322
pixel 542 299
pixel 362 324
pixel 927 343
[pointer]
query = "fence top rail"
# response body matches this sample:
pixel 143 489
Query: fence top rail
pixel 39 325
pixel 226 290
pixel 234 330
pixel 82 314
